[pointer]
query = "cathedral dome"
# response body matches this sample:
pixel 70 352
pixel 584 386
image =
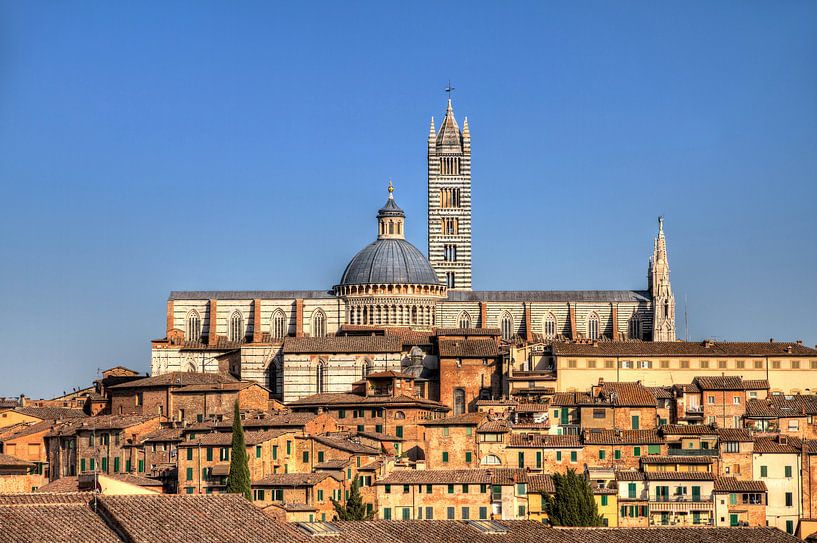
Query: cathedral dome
pixel 389 261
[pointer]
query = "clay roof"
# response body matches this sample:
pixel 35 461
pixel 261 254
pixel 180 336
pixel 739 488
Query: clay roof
pixel 734 434
pixel 269 419
pixel 346 444
pixel 541 482
pixel 777 444
pixel 628 394
pixel 350 399
pixel 224 439
pixel 497 476
pixel 780 405
pixel 193 518
pixel 468 348
pixel 531 407
pixel 494 427
pixel 292 479
pixel 730 484
pixel 677 459
pixel 688 430
pixel 216 387
pixel 621 437
pixel 680 348
pixel 756 384
pixel 465 419
pixel 544 441
pixel 343 344
pixel 41 518
pixel 389 374
pixel 164 434
pixel 332 464
pixel 6 460
pixel 661 393
pixel 663 534
pixel 633 475
pixel 51 413
pixel 103 422
pixel 22 430
pixel 468 332
pixel 176 379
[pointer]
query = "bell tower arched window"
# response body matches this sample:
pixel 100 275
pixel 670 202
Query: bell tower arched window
pixel 193 326
pixel 236 327
pixel 506 325
pixel 593 326
pixel 635 327
pixel 464 320
pixel 318 323
pixel 320 377
pixel 278 328
pixel 550 326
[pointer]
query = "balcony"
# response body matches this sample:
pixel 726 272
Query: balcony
pixel 680 505
pixel 692 452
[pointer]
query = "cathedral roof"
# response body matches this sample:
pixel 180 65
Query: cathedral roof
pixel 389 261
pixel 549 296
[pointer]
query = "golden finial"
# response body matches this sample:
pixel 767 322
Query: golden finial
pixel 391 188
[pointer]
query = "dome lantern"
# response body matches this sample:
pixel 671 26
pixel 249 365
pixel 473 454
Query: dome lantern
pixel 391 219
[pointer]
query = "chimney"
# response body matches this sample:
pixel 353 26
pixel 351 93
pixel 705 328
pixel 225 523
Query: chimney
pixel 789 349
pixel 483 315
pixel 783 439
pixel 771 340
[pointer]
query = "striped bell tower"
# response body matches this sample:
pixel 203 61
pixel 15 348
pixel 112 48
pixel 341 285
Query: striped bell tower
pixel 449 201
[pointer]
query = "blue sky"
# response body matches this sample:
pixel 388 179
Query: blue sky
pixel 147 147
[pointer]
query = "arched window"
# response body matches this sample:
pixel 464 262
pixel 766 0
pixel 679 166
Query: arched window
pixel 635 327
pixel 550 326
pixel 236 326
pixel 506 325
pixel 459 401
pixel 193 326
pixel 414 315
pixel 490 460
pixel 399 415
pixel 666 309
pixel 320 377
pixel 275 375
pixel 449 280
pixel 464 320
pixel 593 326
pixel 191 367
pixel 366 368
pixel 318 323
pixel 278 328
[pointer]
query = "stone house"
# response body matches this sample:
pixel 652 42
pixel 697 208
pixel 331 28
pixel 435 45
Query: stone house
pixel 776 461
pixel 204 459
pixel 624 406
pixel 736 447
pixel 100 444
pixel 16 475
pixel 739 502
pixel 672 498
pixel 300 497
pixel 27 442
pixel 792 414
pixel 452 441
pixel 383 403
pixel 724 398
pixel 622 449
pixel 544 453
pixel 467 494
pixel 470 370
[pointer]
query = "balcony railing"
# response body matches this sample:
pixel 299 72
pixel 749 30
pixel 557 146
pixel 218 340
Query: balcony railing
pixel 682 506
pixel 692 452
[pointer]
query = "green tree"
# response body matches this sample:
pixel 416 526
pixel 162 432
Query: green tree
pixel 238 482
pixel 572 503
pixel 354 509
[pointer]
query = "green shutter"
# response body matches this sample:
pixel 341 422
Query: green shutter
pixel 539 459
pixel 520 459
pixel 617 454
pixel 189 474
pixel 82 465
pixel 258 451
pixel 574 456
pixel 764 471
pixel 141 466
pixel 445 456
pixel 116 465
pixel 209 454
pixel 602 454
pixel 636 451
pixel 631 490
pixel 654 449
pixel 558 456
pixel 190 453
pixel 604 499
pixel 399 431
pixel 468 457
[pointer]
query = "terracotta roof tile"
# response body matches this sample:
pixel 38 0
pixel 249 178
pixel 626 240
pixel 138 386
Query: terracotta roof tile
pixel 464 348
pixel 621 437
pixel 730 484
pixel 734 434
pixel 292 479
pixel 681 348
pixel 343 344
pixel 688 430
pixel 176 379
pixel 544 441
pixel 346 444
pixel 30 520
pixel 224 439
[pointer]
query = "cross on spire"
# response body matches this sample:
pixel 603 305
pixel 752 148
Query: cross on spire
pixel 449 89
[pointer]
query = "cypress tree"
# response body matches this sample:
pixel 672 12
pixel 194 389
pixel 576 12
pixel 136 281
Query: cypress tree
pixel 572 504
pixel 354 509
pixel 238 481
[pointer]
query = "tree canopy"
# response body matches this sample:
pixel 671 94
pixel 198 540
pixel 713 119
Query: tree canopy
pixel 572 504
pixel 238 482
pixel 354 509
